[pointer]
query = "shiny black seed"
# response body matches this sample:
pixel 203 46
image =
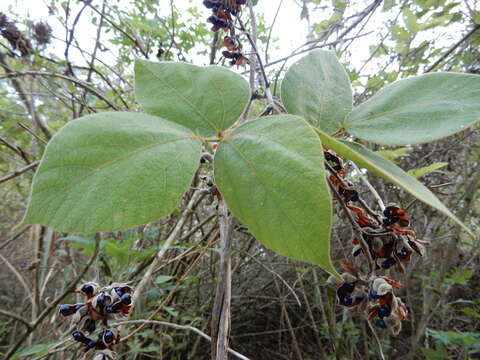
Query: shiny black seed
pixel 210 4
pixel 87 289
pixel 78 336
pixel 119 291
pixel 387 264
pixel 108 336
pixel 112 309
pixel 373 294
pixel 359 299
pixel 126 299
pixel 347 300
pixel 101 299
pixel 388 221
pixel 350 286
pixel 403 254
pixel 383 311
pixel 354 196
pixel 381 323
pixel 387 212
pixel 67 310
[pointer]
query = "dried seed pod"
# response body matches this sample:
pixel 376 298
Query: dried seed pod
pixel 42 33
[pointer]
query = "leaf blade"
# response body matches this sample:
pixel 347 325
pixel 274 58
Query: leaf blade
pixel 418 109
pixel 317 88
pixel 206 100
pixel 388 171
pixel 111 171
pixel 270 172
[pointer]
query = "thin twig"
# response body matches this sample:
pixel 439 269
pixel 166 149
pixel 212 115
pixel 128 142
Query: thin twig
pixel 13 238
pixel 171 238
pixel 78 82
pixel 179 327
pixel 369 186
pixel 19 277
pixel 16 317
pixel 452 49
pixel 68 289
pixel 19 172
pixel 377 340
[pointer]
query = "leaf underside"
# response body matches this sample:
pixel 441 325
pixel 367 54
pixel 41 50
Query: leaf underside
pixel 112 171
pixel 271 174
pixel 318 88
pixel 418 109
pixel 206 100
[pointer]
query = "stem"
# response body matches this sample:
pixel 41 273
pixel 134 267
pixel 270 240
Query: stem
pixel 173 235
pixel 220 325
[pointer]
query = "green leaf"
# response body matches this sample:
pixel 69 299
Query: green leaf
pixel 111 171
pixel 392 155
pixel 410 20
pixel 388 4
pixel 317 87
pixel 388 171
pixel 160 279
pixel 435 354
pixel 418 173
pixel 418 110
pixel 271 174
pixel 206 100
pixel 399 33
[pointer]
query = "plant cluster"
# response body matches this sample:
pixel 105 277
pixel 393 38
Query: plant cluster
pixel 42 33
pixel 102 304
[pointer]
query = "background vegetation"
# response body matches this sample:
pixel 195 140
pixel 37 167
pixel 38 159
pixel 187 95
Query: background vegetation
pixel 281 309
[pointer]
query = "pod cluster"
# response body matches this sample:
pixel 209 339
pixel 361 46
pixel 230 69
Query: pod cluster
pixel 91 317
pixel 386 238
pixel 223 18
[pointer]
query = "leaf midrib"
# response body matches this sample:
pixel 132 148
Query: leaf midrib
pixel 113 161
pixel 185 99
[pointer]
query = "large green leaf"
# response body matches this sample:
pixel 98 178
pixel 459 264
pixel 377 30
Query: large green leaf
pixel 271 174
pixel 417 110
pixel 387 170
pixel 207 100
pixel 318 88
pixel 111 171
